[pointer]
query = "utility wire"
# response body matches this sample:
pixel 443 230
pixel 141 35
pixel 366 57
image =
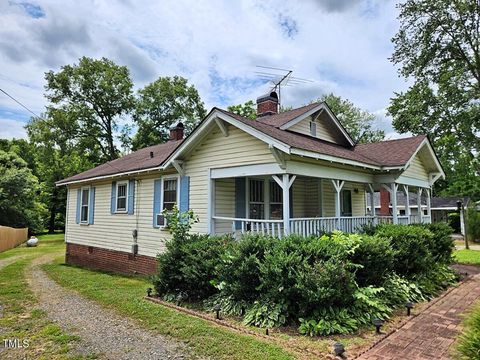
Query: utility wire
pixel 19 103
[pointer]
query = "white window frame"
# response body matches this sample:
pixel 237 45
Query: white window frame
pixel 120 183
pixel 89 188
pixel 170 177
pixel 313 128
pixel 266 195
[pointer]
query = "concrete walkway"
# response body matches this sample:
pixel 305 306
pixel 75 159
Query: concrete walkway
pixel 431 334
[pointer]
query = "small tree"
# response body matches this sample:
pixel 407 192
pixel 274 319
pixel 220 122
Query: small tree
pixel 473 224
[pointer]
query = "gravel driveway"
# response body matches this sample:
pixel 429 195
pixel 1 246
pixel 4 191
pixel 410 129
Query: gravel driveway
pixel 101 331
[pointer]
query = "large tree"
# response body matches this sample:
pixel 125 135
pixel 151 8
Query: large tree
pixel 59 153
pixel 95 94
pixel 438 49
pixel 19 191
pixel 162 104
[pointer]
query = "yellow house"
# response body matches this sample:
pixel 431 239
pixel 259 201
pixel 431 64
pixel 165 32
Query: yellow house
pixel 292 172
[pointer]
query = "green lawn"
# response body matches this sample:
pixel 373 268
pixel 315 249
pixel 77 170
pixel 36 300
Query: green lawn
pixel 125 294
pixel 22 319
pixel 471 257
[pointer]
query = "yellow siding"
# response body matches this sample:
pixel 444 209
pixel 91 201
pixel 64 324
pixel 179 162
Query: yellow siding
pixel 312 197
pixel 115 231
pixel 416 170
pixel 218 151
pixel 323 130
pixel 358 199
pixel 224 203
pixel 298 198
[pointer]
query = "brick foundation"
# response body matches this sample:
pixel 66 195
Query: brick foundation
pixel 109 260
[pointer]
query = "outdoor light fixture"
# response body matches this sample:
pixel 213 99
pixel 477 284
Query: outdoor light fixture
pixel 378 324
pixel 149 292
pixel 409 307
pixel 338 349
pixel 217 309
pixel 266 331
pixel 242 311
pixel 459 205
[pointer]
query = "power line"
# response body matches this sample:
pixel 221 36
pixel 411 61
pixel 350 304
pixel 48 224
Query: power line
pixel 19 103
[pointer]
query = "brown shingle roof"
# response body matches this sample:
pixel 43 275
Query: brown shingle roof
pixel 137 160
pixel 280 119
pixel 391 152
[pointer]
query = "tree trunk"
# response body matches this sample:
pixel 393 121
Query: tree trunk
pixel 51 221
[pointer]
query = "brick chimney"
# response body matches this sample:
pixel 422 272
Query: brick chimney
pixel 176 132
pixel 384 202
pixel 267 104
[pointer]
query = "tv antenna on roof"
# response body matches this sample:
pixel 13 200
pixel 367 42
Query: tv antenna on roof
pixel 279 78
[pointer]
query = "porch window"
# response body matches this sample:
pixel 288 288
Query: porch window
pixel 169 194
pixel 346 202
pixel 85 202
pixel 256 199
pixel 276 206
pixel 122 197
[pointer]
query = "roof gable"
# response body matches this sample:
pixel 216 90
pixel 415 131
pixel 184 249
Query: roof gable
pixel 289 120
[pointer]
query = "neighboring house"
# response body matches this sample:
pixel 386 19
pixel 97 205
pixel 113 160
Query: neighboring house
pixel 292 172
pixel 440 206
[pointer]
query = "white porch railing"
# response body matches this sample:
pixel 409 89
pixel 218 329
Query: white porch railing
pixel 426 219
pixel 307 226
pixel 266 227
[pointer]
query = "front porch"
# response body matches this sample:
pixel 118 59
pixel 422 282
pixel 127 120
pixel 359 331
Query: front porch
pixel 282 204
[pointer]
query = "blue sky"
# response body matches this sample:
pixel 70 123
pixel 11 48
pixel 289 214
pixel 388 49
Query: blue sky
pixel 341 45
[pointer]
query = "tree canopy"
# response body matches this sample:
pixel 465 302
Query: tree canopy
pixel 162 104
pixel 95 94
pixel 19 188
pixel 437 47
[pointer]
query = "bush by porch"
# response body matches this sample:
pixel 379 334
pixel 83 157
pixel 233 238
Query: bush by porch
pixel 324 284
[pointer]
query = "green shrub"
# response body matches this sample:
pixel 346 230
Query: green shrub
pixel 187 267
pixel 266 314
pixel 442 244
pixel 432 282
pixel 469 342
pixel 412 248
pixel 473 224
pixel 376 257
pixel 399 290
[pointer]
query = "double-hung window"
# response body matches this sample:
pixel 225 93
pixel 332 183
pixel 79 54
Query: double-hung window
pixel 276 204
pixel 170 193
pixel 256 199
pixel 122 193
pixel 84 205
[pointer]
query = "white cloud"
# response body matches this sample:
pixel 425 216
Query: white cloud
pixel 343 46
pixel 12 129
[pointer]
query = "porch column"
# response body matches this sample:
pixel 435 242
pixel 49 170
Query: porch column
pixel 429 204
pixel 419 204
pixel 394 203
pixel 285 183
pixel 372 199
pixel 407 202
pixel 211 203
pixel 338 185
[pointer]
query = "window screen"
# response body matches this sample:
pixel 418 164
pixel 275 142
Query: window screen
pixel 169 193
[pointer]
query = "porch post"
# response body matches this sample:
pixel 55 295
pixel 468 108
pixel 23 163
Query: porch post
pixel 407 202
pixel 419 204
pixel 372 199
pixel 429 205
pixel 211 203
pixel 394 203
pixel 287 182
pixel 338 185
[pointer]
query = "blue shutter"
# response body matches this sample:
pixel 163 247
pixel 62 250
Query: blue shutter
pixel 91 207
pixel 131 196
pixel 157 200
pixel 79 195
pixel 240 200
pixel 113 204
pixel 184 193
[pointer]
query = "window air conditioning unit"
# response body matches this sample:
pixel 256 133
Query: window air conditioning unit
pixel 161 221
